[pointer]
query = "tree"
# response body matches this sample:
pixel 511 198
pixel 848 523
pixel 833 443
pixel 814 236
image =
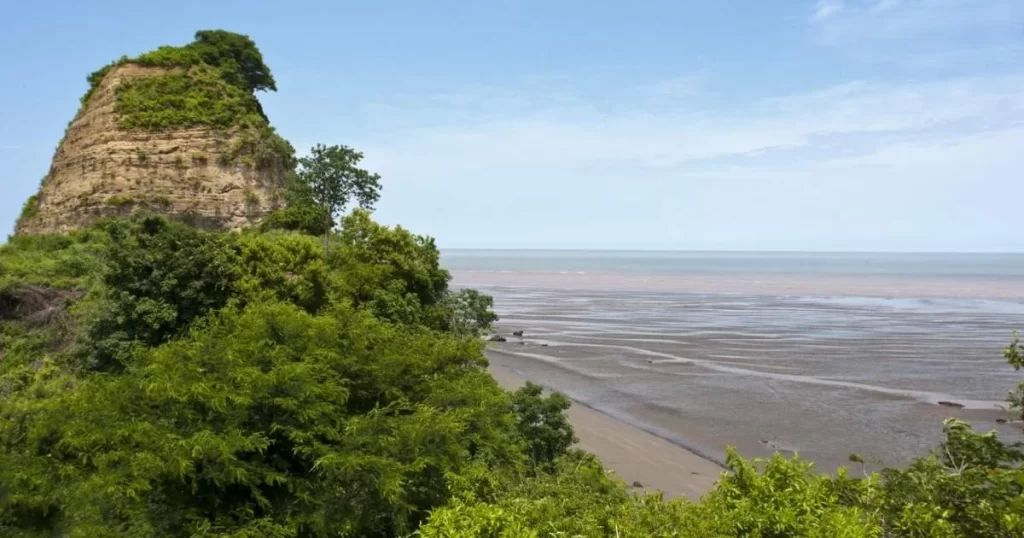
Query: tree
pixel 1015 356
pixel 471 312
pixel 238 57
pixel 542 423
pixel 335 179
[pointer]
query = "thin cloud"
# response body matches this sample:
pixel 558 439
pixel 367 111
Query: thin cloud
pixel 864 22
pixel 825 9
pixel 582 137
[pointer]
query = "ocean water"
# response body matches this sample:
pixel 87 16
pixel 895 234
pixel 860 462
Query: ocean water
pixel 716 263
pixel 821 354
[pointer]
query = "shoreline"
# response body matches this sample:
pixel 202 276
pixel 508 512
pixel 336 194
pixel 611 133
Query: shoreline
pixel 996 287
pixel 634 454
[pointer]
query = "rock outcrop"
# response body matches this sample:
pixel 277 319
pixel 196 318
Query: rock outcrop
pixel 102 170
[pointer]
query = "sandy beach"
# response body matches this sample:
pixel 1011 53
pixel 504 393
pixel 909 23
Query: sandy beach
pixel 633 454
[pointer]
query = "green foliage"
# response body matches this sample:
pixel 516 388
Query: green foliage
pixel 178 99
pixel 160 278
pixel 973 486
pixel 301 213
pixel 119 200
pixel 283 267
pixel 96 77
pixel 390 271
pixel 259 146
pixel 1014 355
pixel 334 179
pixel 472 312
pixel 306 218
pixel 234 55
pixel 159 380
pixel 336 425
pixel 542 423
pixel 29 209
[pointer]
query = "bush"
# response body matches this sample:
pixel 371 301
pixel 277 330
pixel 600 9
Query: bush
pixel 309 219
pixel 29 209
pixel 266 422
pixel 119 200
pixel 161 277
pixel 471 312
pixel 198 97
pixel 542 423
pixel 392 272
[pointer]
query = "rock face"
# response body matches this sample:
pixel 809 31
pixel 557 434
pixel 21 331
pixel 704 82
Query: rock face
pixel 100 170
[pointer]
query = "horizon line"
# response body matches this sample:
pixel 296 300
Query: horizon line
pixel 726 251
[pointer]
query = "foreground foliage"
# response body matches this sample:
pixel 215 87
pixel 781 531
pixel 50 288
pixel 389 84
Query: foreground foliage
pixel 158 380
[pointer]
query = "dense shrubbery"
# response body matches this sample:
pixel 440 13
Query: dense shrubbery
pixel 160 380
pixel 198 96
pixel 217 384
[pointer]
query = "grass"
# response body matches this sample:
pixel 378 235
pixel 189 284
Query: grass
pixel 30 209
pixel 119 200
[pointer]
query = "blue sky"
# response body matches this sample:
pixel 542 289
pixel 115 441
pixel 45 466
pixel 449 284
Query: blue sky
pixel 782 125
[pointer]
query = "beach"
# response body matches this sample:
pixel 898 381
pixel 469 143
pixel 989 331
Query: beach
pixel 634 455
pixel 821 363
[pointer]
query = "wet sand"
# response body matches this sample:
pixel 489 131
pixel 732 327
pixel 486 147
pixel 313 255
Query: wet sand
pixel 633 454
pixel 821 376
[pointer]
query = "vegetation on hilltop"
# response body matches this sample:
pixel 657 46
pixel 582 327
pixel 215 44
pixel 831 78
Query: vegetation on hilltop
pixel 211 82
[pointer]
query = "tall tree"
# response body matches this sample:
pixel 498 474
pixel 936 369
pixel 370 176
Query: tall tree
pixel 333 175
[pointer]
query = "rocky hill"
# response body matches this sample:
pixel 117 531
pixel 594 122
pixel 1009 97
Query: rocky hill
pixel 177 131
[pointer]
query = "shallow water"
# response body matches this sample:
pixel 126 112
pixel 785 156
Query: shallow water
pixel 821 372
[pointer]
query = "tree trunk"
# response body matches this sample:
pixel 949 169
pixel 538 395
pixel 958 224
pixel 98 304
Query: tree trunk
pixel 327 236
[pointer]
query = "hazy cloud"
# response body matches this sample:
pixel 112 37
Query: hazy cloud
pixel 824 9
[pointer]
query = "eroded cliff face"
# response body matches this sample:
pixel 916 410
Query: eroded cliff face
pixel 101 170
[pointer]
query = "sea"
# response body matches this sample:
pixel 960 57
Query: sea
pixel 822 355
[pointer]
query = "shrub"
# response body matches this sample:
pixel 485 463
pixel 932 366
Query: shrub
pixel 179 99
pixel 471 312
pixel 309 219
pixel 161 277
pixel 29 209
pixel 542 423
pixel 119 200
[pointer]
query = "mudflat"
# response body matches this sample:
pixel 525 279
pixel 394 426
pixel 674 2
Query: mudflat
pixel 822 376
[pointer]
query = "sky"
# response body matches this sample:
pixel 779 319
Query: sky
pixel 880 125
